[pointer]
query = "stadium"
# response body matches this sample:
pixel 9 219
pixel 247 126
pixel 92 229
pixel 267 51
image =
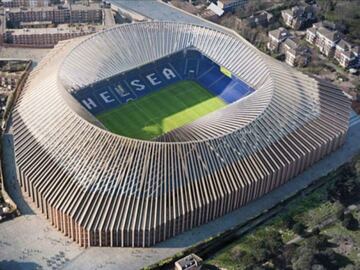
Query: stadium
pixel 138 133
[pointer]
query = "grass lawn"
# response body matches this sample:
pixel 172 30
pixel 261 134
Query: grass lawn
pixel 336 232
pixel 310 210
pixel 162 111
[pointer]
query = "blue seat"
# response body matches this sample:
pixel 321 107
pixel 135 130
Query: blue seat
pixel 138 82
pixel 204 66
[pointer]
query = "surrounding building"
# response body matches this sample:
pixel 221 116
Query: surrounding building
pixel 8 80
pixel 56 14
pixel 228 5
pixel 48 37
pixel 329 41
pixel 281 42
pixel 295 55
pixel 346 54
pixel 2 25
pixel 25 3
pixel 299 17
pixel 102 189
pixel 323 38
pixel 262 18
pixel 211 11
pixel 45 26
pixel 190 262
pixel 334 26
pixel 36 24
pixel 276 38
pixel 12 72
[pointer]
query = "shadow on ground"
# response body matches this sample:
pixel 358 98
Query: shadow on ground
pixel 10 178
pixel 15 265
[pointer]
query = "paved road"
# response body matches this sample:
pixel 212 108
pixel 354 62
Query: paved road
pixel 23 53
pixel 157 10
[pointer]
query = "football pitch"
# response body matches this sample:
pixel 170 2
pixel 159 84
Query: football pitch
pixel 162 111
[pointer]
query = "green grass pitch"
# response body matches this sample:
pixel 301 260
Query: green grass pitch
pixel 162 111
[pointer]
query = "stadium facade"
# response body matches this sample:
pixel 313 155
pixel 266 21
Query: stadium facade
pixel 103 189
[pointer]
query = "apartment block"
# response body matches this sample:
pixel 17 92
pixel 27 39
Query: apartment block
pixel 276 37
pixel 59 14
pixel 346 54
pixel 47 37
pixel 323 38
pixel 298 17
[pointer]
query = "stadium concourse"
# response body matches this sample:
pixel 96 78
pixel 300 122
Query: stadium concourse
pixel 104 189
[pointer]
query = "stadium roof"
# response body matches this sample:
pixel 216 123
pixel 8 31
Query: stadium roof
pixel 105 189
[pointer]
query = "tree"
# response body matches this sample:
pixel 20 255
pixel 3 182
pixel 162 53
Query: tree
pixel 346 191
pixel 299 229
pixel 248 260
pixel 350 222
pixel 237 254
pixel 317 242
pixel 316 231
pixel 318 267
pixel 261 254
pixel 349 267
pixel 288 254
pixel 326 5
pixel 289 222
pixel 331 260
pixel 304 260
pixel 340 214
pixel 274 242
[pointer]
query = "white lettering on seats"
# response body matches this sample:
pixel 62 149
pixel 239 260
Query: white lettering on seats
pixel 106 97
pixel 138 85
pixel 152 79
pixel 89 103
pixel 168 73
pixel 121 91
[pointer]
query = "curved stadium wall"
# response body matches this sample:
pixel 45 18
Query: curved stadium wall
pixel 103 189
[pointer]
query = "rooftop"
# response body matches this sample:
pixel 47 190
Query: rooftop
pixel 291 43
pixel 329 34
pixel 279 33
pixel 343 44
pixel 61 29
pixel 230 1
pixel 92 6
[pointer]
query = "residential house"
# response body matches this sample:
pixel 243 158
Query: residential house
pixel 229 5
pixel 323 38
pixel 295 54
pixel 281 42
pixel 262 18
pixel 346 54
pixel 298 17
pixel 335 26
pixel 276 38
pixel 311 34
